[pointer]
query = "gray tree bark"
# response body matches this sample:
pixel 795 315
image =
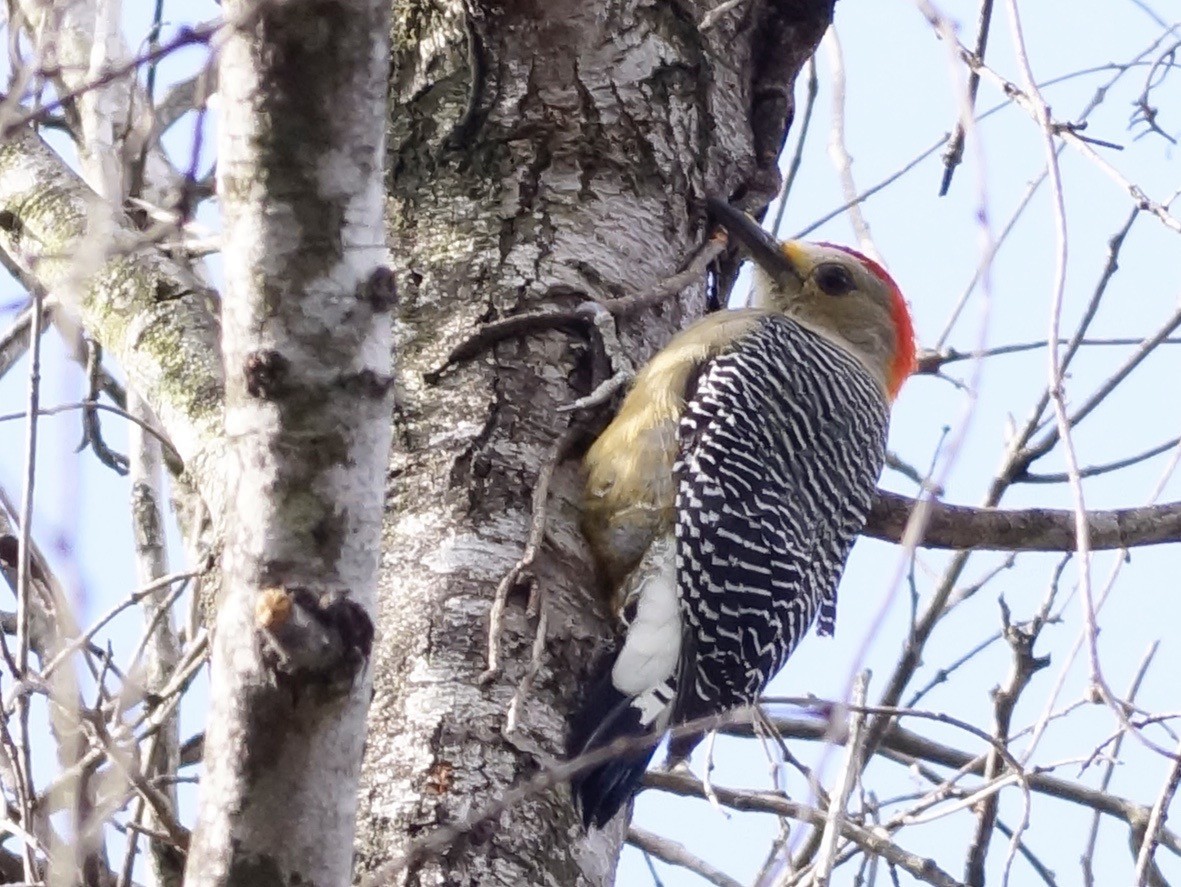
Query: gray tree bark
pixel 306 343
pixel 540 154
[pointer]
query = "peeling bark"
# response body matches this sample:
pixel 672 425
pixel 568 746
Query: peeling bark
pixel 539 152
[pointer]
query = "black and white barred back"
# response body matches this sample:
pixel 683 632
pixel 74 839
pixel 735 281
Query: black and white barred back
pixel 780 451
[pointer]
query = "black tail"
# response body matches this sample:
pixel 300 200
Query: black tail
pixel 606 716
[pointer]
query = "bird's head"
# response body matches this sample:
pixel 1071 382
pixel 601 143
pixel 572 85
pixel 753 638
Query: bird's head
pixel 833 289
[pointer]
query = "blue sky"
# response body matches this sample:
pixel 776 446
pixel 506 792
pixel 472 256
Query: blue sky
pixel 901 97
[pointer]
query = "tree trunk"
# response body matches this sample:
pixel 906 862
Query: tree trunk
pixel 541 154
pixel 306 340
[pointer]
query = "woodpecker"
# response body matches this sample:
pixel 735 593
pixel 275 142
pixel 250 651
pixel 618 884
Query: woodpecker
pixel 722 501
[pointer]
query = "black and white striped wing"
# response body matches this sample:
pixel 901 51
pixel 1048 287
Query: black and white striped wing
pixel 781 446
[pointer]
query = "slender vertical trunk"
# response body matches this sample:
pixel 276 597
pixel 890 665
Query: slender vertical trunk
pixel 307 346
pixel 162 647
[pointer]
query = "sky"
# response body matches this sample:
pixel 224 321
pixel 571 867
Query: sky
pixel 902 95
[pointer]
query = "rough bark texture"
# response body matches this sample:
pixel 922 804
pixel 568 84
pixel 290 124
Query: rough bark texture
pixel 307 349
pixel 537 150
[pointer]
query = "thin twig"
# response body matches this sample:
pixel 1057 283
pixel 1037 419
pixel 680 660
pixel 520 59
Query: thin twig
pixel 694 271
pixel 1088 856
pixel 675 854
pixel 921 868
pixel 24 584
pixel 506 328
pixel 1038 866
pixel 536 659
pixel 916 161
pixel 850 771
pixel 838 151
pixel 707 779
pixel 1030 477
pixel 443 837
pixel 622 370
pixel 92 434
pixel 931 362
pixel 152 589
pixel 149 721
pixel 1044 719
pixel 14 341
pixel 1066 132
pixel 1024 666
pixel 578 318
pixel 955 150
pixel 1156 818
pixel 103 407
pixel 190 35
pixel 944 673
pixel 797 157
pixel 520 571
pixel 905 747
pixel 1053 436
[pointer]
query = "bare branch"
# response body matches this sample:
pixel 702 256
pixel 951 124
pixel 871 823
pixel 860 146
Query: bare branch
pixel 1145 867
pixel 955 151
pixel 1065 131
pixel 14 341
pixel 1025 665
pixel 675 854
pixel 24 590
pixel 906 747
pixel 921 868
pixel 850 772
pixel 1096 470
pixel 1033 529
pixel 1088 856
pixel 161 757
pixel 147 311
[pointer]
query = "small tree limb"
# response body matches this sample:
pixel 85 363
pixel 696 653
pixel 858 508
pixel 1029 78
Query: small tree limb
pixel 1027 529
pixel 146 310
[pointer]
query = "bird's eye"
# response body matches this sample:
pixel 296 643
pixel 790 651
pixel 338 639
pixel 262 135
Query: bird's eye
pixel 834 279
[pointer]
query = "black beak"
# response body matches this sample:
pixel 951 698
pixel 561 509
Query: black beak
pixel 763 249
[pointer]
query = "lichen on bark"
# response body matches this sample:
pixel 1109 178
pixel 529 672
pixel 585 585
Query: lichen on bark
pixel 147 311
